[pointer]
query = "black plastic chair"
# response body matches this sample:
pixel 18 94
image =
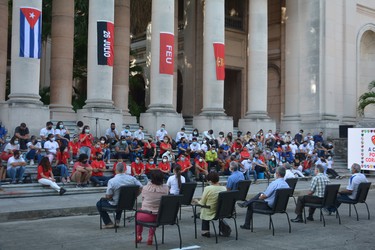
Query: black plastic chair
pixel 329 200
pixel 243 188
pixel 281 202
pixel 127 200
pixel 225 209
pixel 292 182
pixel 361 196
pixel 187 191
pixel 167 215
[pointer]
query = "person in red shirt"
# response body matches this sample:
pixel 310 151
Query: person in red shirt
pixel 138 170
pixel 45 176
pixel 98 169
pixel 201 168
pixel 165 167
pixel 237 146
pixel 85 139
pixel 150 166
pixel 73 149
pixel 62 158
pixel 149 149
pixel 82 171
pixel 104 144
pixel 165 145
pixel 244 154
pixel 96 149
pixel 185 165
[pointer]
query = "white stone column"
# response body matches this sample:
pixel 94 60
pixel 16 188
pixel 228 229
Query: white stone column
pixel 99 77
pixel 25 72
pixel 212 115
pixel 162 20
pixel 256 116
pixel 213 31
pixel 3 46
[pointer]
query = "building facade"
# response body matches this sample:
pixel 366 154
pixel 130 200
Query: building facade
pixel 289 64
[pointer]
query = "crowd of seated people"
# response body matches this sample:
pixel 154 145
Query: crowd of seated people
pixel 196 154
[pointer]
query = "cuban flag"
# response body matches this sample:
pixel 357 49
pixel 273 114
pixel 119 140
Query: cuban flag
pixel 30 32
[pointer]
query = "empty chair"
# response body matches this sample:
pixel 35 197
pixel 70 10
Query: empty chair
pixel 280 205
pixel 167 215
pixel 127 201
pixel 329 200
pixel 361 196
pixel 187 191
pixel 292 182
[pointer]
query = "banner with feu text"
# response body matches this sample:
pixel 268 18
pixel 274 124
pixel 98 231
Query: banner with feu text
pixel 106 40
pixel 166 63
pixel 219 50
pixel 30 32
pixel 361 147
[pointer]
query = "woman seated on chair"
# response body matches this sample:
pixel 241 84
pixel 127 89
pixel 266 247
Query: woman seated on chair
pixel 209 198
pixel 151 196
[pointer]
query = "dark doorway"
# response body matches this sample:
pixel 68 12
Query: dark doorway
pixel 180 92
pixel 232 94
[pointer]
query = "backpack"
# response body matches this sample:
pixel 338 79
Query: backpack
pixel 224 228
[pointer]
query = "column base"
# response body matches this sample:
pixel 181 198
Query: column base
pixel 167 108
pixel 35 116
pixel 100 119
pixel 291 123
pixel 216 122
pixel 152 121
pixel 255 124
pixel 99 103
pixel 213 112
pixel 24 99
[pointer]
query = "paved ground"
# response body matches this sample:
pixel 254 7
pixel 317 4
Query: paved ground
pixel 82 232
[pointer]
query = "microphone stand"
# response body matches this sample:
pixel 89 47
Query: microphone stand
pixel 96 122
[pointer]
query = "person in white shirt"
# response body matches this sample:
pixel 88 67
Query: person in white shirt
pixel 288 173
pixel 112 135
pixel 174 182
pixel 33 147
pixel 293 147
pixel 128 135
pixel 44 132
pixel 51 147
pixel 195 148
pixel 16 167
pixel 181 134
pixel 62 133
pixel 246 168
pixel 161 133
pixel 139 134
pixel 330 170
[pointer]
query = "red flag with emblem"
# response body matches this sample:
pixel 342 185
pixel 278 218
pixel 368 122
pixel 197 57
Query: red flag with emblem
pixel 219 49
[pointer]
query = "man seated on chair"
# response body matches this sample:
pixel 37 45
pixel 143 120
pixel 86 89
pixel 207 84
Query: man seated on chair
pixel 235 176
pixel 315 195
pixel 350 193
pixel 113 193
pixel 267 196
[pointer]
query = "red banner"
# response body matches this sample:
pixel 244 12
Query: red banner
pixel 166 65
pixel 106 42
pixel 219 49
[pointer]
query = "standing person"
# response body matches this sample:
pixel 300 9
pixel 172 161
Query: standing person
pixel 45 176
pixel 62 133
pixel 315 195
pixel 151 196
pixel 267 196
pixel 113 136
pixel 16 167
pixel 112 194
pixel 85 139
pixel 62 158
pixel 174 182
pixel 33 147
pixel 98 168
pixel 23 135
pixel 82 171
pixel 51 147
pixel 210 198
pixel 235 176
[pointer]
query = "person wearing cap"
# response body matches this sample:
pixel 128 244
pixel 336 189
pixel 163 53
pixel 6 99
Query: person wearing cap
pixel 23 135
pixel 122 148
pixel 181 134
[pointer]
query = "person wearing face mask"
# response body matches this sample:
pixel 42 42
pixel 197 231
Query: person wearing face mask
pixel 195 134
pixel 149 149
pixel 85 139
pixel 272 164
pixel 44 132
pixel 212 159
pixel 299 137
pixel 62 158
pixel 128 135
pixel 138 170
pixel 221 138
pixel 122 148
pixel 201 168
pixel 185 164
pixel 205 145
pixel 112 135
pixel 98 168
pixel 23 135
pixel 150 166
pixel 259 166
pixel 165 167
pixel 161 134
pixel 16 167
pixel 181 134
pixel 46 177
pixel 182 146
pixel 135 150
pixel 51 147
pixel 195 148
pixel 82 171
pixel 33 147
pixel 95 149
pixel 105 147
pixel 10 148
pixel 246 167
pixel 139 135
pixel 62 133
pixel 165 145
